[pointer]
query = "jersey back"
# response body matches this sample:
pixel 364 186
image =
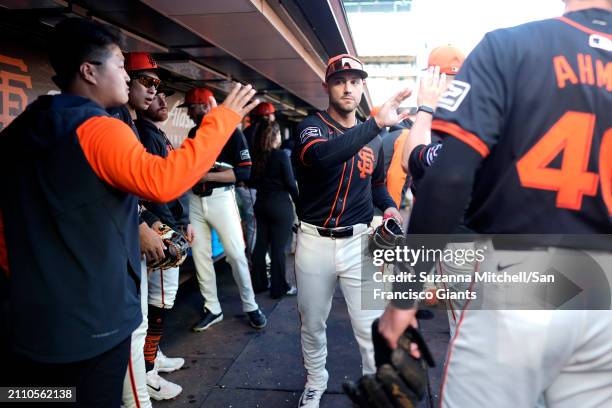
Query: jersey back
pixel 536 102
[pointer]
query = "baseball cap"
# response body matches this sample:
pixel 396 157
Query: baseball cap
pixel 344 63
pixel 195 96
pixel 264 108
pixel 448 58
pixel 143 61
pixel 139 61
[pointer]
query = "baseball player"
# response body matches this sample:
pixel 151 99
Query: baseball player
pixel 525 95
pixel 213 205
pixel 74 187
pixel 163 283
pixel 144 70
pixel 142 382
pixel 340 173
pixel 419 153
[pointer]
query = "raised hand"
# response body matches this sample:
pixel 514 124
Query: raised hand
pixel 431 87
pixel 387 115
pixel 238 99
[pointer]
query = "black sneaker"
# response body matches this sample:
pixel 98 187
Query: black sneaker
pixel 208 320
pixel 257 319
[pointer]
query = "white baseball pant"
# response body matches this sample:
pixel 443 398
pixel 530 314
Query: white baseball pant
pixel 320 262
pixel 517 358
pixel 135 393
pixel 454 307
pixel 163 285
pixel 219 211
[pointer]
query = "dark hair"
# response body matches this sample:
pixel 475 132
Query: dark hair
pixel 263 145
pixel 75 41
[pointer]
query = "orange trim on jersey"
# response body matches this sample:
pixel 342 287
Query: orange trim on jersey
pixel 336 198
pixel 466 137
pixel 583 28
pixel 328 123
pixel 3 251
pixel 307 146
pixel 348 186
pixel 396 176
pixel 118 158
pixel 245 164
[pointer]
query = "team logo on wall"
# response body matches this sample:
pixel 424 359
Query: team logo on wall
pixel 12 85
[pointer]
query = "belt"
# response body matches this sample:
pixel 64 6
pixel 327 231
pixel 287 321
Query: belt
pixel 202 191
pixel 342 232
pixel 333 233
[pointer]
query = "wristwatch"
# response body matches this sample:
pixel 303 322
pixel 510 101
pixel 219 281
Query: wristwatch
pixel 425 108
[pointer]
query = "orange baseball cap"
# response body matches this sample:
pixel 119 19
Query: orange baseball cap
pixel 196 96
pixel 264 108
pixel 448 58
pixel 143 61
pixel 343 63
pixel 139 61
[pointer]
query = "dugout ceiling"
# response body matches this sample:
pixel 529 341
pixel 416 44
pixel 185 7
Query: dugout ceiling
pixel 279 46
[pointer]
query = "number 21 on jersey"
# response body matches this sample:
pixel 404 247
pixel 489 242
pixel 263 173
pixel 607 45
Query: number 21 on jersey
pixel 572 134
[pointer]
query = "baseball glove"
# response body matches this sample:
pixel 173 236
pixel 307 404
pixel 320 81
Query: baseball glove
pixel 387 235
pixel 176 249
pixel 400 380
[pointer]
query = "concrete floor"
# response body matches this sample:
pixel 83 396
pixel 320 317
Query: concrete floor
pixel 233 365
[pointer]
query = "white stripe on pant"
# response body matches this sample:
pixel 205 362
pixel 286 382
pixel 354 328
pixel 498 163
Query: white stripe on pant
pixel 219 211
pixel 135 382
pixel 320 263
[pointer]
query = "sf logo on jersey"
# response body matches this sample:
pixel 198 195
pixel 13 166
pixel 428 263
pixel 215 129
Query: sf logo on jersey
pixel 365 163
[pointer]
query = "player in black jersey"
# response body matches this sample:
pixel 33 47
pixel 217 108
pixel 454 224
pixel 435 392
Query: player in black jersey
pixel 340 174
pixel 527 131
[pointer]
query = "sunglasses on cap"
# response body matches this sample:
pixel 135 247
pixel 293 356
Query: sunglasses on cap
pixel 148 81
pixel 343 63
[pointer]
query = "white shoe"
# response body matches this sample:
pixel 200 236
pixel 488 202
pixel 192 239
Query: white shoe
pixel 166 364
pixel 160 389
pixel 311 397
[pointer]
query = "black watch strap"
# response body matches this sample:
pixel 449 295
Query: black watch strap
pixel 425 108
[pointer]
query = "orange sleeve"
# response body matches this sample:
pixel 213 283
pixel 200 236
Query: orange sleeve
pixel 118 157
pixel 396 176
pixel 3 252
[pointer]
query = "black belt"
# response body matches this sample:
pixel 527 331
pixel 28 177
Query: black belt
pixel 202 191
pixel 343 232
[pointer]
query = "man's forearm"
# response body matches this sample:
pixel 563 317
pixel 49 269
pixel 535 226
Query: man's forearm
pixel 420 133
pixel 227 176
pixel 334 152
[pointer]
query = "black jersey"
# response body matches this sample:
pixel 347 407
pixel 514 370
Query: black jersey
pixel 340 172
pixel 536 102
pixel 236 153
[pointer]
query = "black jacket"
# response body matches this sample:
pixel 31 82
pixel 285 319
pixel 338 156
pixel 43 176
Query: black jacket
pixel 72 239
